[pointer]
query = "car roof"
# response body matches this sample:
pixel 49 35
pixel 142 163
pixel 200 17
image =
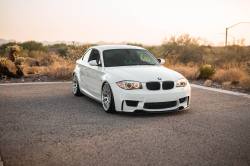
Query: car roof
pixel 110 47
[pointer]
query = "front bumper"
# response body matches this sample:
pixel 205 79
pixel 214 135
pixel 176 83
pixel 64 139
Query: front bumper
pixel 148 96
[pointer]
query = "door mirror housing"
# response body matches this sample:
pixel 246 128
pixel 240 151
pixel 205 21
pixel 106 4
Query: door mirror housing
pixel 93 63
pixel 161 61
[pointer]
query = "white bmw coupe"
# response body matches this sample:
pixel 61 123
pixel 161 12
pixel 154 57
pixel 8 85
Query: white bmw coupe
pixel 129 79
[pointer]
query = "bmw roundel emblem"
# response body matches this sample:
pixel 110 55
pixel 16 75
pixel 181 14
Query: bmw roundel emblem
pixel 159 78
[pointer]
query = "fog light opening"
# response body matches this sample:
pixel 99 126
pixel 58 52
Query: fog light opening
pixel 181 108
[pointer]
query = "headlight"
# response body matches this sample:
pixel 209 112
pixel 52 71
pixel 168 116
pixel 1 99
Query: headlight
pixel 129 85
pixel 181 82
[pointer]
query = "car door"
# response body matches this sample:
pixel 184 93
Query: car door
pixel 94 79
pixel 84 66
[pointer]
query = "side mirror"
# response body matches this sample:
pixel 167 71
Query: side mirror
pixel 93 63
pixel 161 61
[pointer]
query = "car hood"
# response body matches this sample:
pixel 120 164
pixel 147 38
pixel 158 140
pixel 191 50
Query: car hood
pixel 144 73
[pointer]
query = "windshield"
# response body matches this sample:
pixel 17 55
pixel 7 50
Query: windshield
pixel 128 57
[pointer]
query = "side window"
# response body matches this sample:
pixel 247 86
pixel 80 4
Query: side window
pixel 95 55
pixel 86 56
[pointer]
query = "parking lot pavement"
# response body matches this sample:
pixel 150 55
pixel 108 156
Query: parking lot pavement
pixel 45 124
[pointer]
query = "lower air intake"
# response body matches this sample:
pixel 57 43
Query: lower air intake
pixel 160 105
pixel 182 99
pixel 132 103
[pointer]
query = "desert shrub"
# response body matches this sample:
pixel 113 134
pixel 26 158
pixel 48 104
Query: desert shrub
pixel 75 52
pixel 245 83
pixel 33 70
pixel 3 67
pixel 208 83
pixel 60 71
pixel 19 65
pixel 232 75
pixel 206 72
pixel 35 54
pixel 182 70
pixel 24 53
pixel 7 68
pixel 226 84
pixel 63 72
pixel 31 62
pixel 193 75
pixel 191 64
pixel 217 77
pixel 12 52
pixel 48 59
pixel 11 66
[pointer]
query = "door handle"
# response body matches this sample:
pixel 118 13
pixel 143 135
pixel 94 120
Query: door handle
pixel 100 79
pixel 85 68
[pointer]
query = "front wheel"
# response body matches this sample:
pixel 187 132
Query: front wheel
pixel 75 86
pixel 108 99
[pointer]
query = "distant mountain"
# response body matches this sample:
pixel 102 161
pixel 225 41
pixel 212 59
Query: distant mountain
pixel 2 41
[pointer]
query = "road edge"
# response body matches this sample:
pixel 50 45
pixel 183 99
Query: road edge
pixel 34 83
pixel 192 85
pixel 221 90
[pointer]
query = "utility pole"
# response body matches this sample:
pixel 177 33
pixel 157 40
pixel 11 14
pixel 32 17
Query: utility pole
pixel 231 27
pixel 231 36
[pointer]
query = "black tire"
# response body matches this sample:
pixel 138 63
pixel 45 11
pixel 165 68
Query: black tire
pixel 75 86
pixel 107 97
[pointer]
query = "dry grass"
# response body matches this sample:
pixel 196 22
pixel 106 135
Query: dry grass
pixel 208 83
pixel 187 71
pixel 31 62
pixel 60 71
pixel 226 84
pixel 245 83
pixel 233 75
pixel 11 66
pixel 32 70
pixel 182 70
pixel 193 75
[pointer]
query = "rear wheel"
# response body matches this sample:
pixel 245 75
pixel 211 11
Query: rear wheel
pixel 108 99
pixel 75 86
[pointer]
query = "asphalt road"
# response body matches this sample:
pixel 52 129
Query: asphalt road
pixel 47 125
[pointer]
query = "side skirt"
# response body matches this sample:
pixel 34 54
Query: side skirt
pixel 90 96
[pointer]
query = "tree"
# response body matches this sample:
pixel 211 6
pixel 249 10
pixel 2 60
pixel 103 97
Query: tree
pixel 34 46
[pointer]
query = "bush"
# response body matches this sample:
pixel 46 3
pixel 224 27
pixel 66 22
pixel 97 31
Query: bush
pixel 33 70
pixel 18 61
pixel 48 59
pixel 232 75
pixel 226 84
pixel 245 83
pixel 206 72
pixel 5 68
pixel 60 71
pixel 31 62
pixel 35 54
pixel 182 70
pixel 208 83
pixel 193 75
